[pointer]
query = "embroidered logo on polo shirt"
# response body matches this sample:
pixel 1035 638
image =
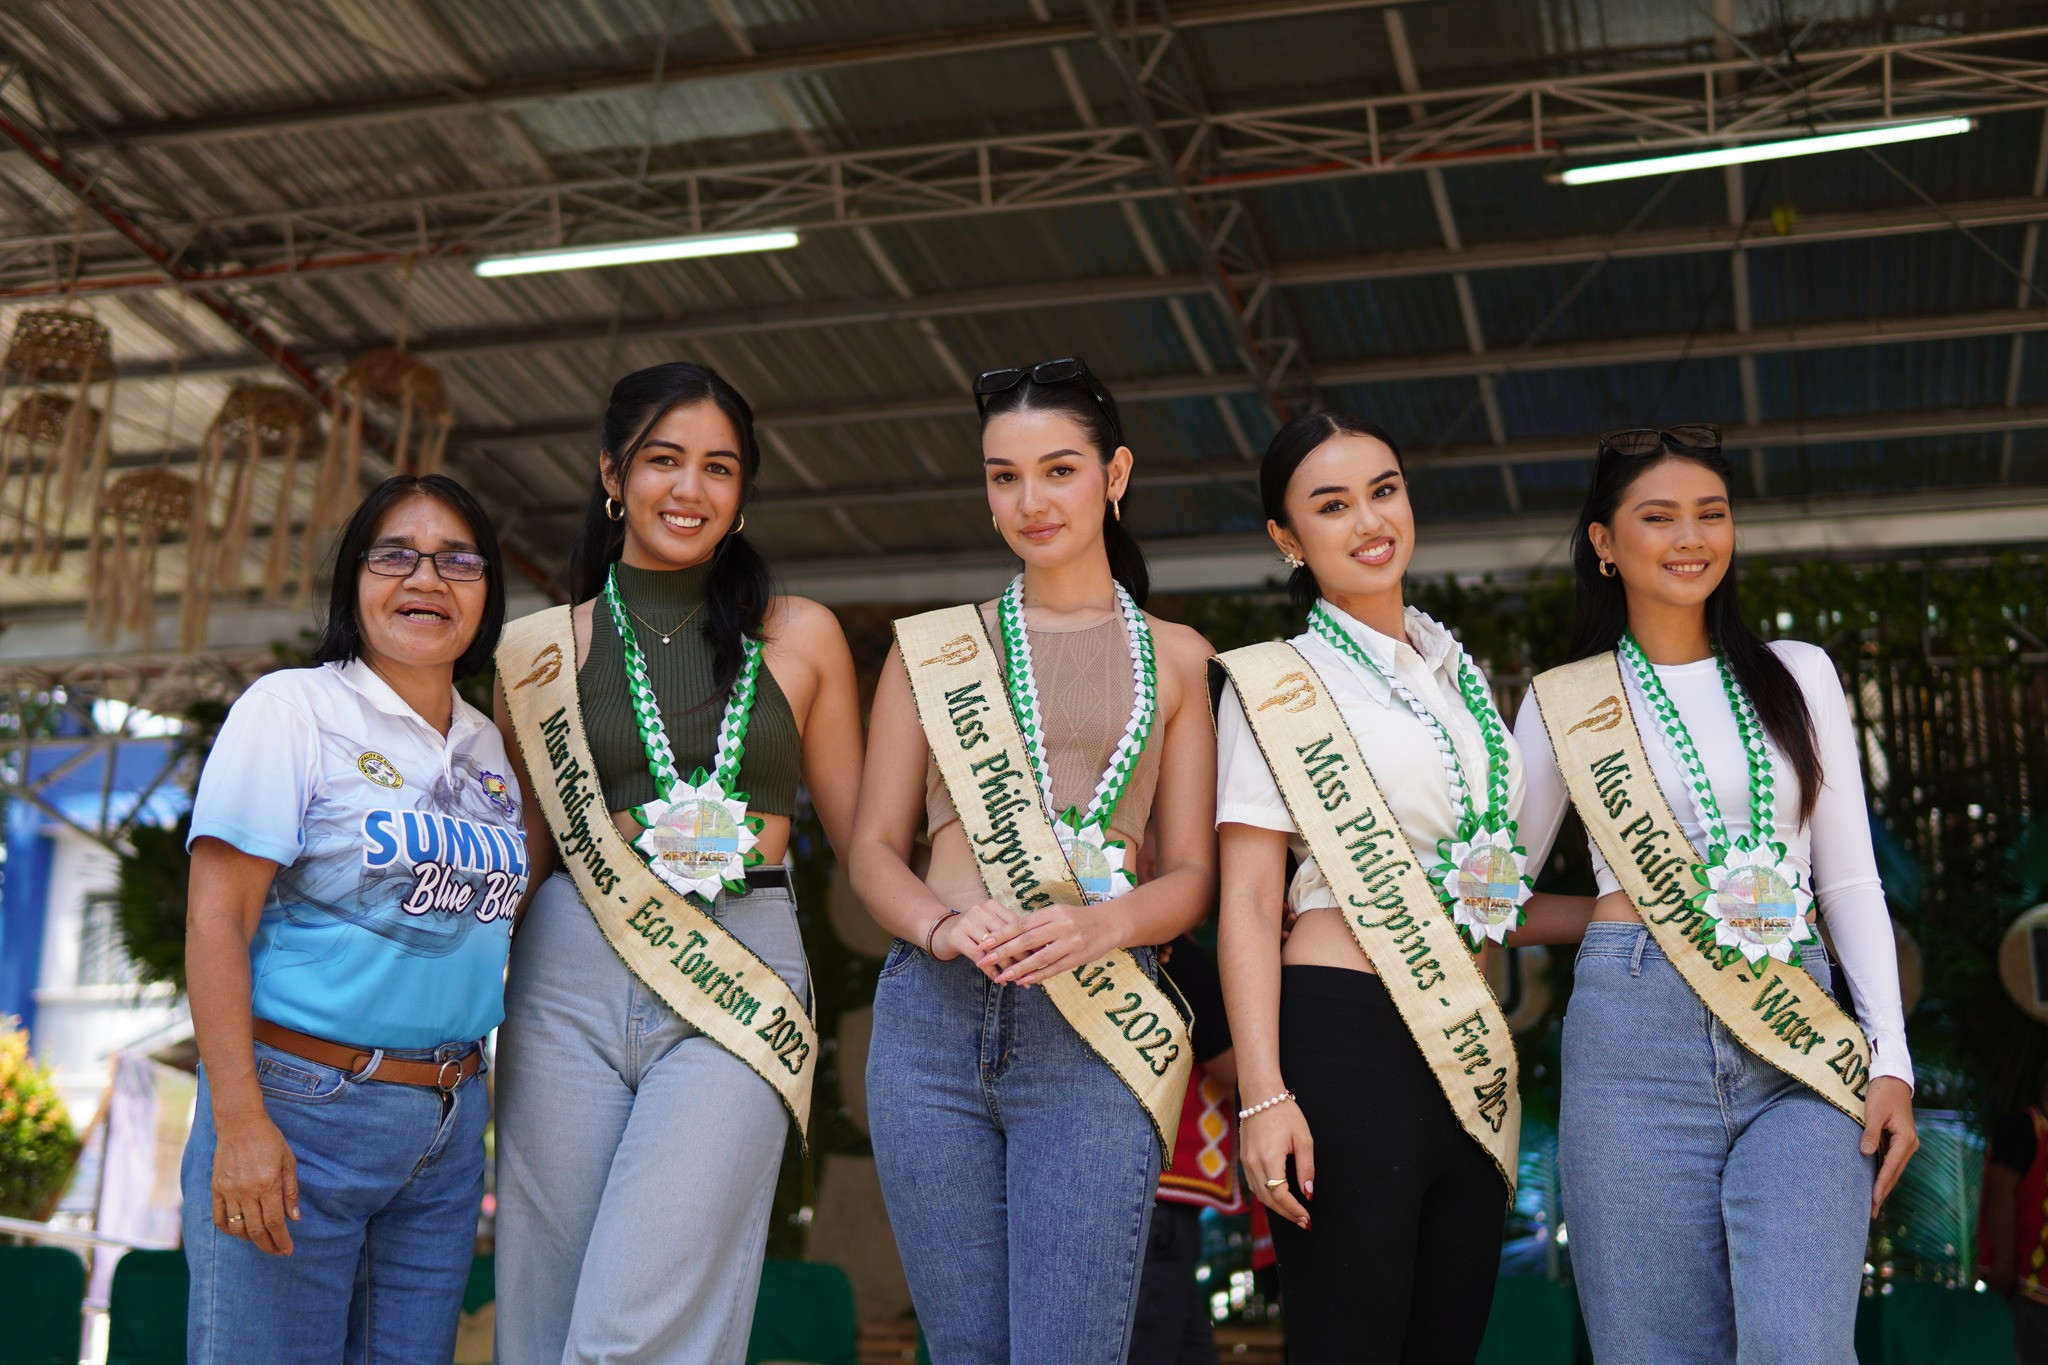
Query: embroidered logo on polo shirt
pixel 379 769
pixel 496 791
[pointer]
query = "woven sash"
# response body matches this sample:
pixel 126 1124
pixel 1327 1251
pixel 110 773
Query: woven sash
pixel 1119 1012
pixel 1389 903
pixel 1778 1012
pixel 715 982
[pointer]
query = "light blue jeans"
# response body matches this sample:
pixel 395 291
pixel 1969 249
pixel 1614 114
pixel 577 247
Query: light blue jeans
pixel 636 1157
pixel 1018 1170
pixel 1717 1209
pixel 390 1178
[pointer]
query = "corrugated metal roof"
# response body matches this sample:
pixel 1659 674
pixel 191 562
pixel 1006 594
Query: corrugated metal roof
pixel 141 63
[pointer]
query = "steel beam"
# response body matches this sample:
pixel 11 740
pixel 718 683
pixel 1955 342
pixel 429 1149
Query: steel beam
pixel 1896 426
pixel 1219 228
pixel 1664 106
pixel 48 647
pixel 1509 546
pixel 1167 474
pixel 635 80
pixel 1409 264
pixel 1556 356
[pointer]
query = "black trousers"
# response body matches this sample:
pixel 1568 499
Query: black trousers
pixel 1399 1259
pixel 1173 1325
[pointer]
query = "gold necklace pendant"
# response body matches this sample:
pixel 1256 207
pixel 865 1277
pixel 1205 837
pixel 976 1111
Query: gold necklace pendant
pixel 673 631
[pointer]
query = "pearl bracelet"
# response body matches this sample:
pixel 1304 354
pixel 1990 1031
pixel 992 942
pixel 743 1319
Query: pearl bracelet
pixel 1263 1105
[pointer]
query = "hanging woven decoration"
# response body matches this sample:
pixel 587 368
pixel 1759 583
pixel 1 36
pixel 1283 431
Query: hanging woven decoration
pixel 134 515
pixel 409 393
pixel 53 445
pixel 249 467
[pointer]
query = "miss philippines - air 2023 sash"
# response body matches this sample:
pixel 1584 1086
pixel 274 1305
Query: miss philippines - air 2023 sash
pixel 682 954
pixel 1387 899
pixel 1024 860
pixel 1725 921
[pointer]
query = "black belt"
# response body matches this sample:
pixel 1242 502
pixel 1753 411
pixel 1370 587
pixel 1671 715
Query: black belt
pixel 774 878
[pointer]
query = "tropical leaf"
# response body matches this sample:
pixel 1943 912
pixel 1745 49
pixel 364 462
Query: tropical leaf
pixel 1532 1247
pixel 1929 1224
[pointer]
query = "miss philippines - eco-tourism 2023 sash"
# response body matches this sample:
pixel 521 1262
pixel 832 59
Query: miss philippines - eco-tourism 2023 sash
pixel 682 954
pixel 1774 1009
pixel 1388 901
pixel 1123 1016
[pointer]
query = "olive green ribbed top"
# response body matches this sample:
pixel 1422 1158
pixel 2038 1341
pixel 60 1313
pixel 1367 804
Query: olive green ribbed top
pixel 681 674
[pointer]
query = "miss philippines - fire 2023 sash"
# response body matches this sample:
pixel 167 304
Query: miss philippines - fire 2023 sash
pixel 1388 902
pixel 1123 1016
pixel 1775 1010
pixel 682 954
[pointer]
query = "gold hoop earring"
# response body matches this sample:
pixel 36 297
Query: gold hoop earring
pixel 1607 569
pixel 610 514
pixel 995 523
pixel 739 525
pixel 1116 509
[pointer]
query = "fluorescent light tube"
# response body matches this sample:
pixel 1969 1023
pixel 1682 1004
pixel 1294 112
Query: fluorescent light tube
pixel 636 253
pixel 1767 151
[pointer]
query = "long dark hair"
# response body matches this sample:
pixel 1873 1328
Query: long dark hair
pixel 1601 614
pixel 1096 411
pixel 1290 445
pixel 341 639
pixel 740 585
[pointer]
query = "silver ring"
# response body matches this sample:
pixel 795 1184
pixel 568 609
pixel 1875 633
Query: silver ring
pixel 234 1218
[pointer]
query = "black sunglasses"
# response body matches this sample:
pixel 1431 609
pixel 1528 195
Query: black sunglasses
pixel 1693 437
pixel 398 561
pixel 1066 370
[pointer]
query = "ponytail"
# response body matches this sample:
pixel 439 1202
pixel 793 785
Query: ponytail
pixel 1126 560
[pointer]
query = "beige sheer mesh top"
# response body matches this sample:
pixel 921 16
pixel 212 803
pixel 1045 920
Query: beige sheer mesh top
pixel 1084 694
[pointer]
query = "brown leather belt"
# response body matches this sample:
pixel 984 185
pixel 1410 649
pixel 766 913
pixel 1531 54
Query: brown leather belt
pixel 442 1076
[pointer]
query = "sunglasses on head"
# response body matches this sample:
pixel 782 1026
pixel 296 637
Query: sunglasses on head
pixel 1066 370
pixel 1691 437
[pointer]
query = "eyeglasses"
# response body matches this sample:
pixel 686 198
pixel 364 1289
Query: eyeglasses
pixel 989 383
pixel 398 561
pixel 1699 437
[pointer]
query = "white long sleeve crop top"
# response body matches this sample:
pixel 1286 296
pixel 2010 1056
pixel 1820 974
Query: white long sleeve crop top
pixel 1831 850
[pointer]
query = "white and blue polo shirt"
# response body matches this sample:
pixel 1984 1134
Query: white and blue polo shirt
pixel 400 857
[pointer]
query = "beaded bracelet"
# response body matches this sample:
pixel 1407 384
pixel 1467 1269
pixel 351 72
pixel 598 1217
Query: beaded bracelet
pixel 1263 1105
pixel 933 932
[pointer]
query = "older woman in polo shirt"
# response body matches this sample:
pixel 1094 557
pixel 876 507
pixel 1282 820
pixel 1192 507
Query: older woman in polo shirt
pixel 357 856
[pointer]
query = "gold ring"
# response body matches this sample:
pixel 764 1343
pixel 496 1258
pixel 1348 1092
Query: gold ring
pixel 1274 1184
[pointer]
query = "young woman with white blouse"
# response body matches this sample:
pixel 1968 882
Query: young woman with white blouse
pixel 1391 1213
pixel 1718 1207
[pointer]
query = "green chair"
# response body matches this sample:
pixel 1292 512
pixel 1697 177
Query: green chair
pixel 1534 1322
pixel 483 1283
pixel 45 1296
pixel 1925 1324
pixel 805 1313
pixel 146 1311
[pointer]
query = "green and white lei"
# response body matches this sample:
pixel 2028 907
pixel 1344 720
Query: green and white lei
pixel 1097 860
pixel 1749 890
pixel 696 836
pixel 1482 874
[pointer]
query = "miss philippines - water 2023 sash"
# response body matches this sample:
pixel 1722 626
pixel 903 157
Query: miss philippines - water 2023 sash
pixel 1388 901
pixel 1719 919
pixel 715 982
pixel 987 764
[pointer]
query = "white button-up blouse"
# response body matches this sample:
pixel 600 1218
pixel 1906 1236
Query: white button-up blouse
pixel 1400 750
